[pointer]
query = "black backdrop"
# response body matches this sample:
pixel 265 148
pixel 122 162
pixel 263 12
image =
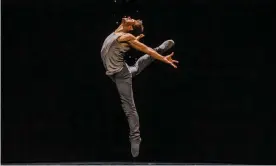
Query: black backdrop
pixel 58 105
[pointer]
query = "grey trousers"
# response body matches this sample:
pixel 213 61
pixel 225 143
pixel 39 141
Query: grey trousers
pixel 123 81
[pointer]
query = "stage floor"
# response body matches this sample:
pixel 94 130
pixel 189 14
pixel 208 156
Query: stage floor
pixel 128 163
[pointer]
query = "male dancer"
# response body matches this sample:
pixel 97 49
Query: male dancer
pixel 115 46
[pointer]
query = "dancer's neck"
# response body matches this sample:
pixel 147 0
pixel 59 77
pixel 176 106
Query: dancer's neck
pixel 120 29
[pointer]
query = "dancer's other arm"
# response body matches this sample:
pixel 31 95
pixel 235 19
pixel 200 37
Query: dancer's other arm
pixel 140 37
pixel 133 42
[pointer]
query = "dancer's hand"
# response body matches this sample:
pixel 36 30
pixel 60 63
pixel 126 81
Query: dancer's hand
pixel 170 61
pixel 140 37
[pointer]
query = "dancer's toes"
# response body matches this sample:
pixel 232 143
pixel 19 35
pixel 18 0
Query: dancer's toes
pixel 135 148
pixel 165 46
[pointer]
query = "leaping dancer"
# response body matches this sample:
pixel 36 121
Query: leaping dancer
pixel 125 37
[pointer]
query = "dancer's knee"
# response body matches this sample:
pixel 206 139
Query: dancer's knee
pixel 129 108
pixel 133 70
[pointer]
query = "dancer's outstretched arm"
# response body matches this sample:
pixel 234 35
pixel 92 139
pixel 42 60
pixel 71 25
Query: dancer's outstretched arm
pixel 133 42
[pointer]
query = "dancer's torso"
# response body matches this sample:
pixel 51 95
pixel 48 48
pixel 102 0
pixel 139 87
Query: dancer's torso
pixel 112 53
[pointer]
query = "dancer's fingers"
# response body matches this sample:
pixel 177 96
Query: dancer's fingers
pixel 142 35
pixel 174 65
pixel 175 61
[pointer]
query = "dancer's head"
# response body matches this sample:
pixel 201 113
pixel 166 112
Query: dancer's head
pixel 132 26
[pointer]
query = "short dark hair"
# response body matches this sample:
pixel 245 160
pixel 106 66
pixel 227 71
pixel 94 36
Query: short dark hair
pixel 138 28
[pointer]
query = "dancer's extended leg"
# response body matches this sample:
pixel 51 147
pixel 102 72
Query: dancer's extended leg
pixel 123 81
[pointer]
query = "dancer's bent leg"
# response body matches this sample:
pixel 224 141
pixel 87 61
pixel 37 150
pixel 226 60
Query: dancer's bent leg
pixel 146 60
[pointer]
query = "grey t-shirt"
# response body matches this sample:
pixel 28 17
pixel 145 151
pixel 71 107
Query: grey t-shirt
pixel 112 54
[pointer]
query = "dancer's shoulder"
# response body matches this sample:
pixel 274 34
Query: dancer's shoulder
pixel 126 37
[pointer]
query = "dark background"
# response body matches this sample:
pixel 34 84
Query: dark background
pixel 58 105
